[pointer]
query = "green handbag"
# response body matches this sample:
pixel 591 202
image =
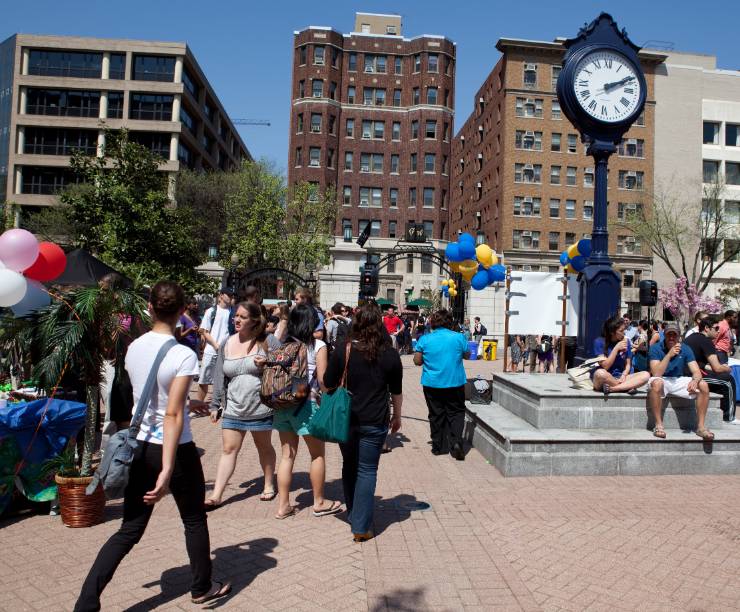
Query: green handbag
pixel 331 421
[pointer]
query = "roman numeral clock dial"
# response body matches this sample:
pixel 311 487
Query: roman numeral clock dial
pixel 606 86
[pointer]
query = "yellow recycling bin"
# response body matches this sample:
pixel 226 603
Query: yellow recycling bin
pixel 489 350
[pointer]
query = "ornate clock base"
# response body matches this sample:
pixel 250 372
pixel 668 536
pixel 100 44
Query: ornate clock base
pixel 601 294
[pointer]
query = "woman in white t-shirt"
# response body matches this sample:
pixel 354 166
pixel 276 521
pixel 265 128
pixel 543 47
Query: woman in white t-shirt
pixel 291 424
pixel 166 456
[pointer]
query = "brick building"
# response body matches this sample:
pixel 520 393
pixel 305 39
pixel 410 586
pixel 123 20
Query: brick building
pixel 372 115
pixel 521 179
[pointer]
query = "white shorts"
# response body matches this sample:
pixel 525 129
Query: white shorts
pixel 207 368
pixel 674 386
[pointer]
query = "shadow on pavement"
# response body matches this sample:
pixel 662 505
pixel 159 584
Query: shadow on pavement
pixel 392 510
pixel 401 600
pixel 240 564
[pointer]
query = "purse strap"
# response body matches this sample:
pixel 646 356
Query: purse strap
pixel 348 349
pixel 146 394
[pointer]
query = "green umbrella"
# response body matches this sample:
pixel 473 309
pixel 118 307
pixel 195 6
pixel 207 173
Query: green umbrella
pixel 383 302
pixel 421 303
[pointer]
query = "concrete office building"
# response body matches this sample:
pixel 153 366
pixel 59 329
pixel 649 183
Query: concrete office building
pixel 57 93
pixel 372 115
pixel 521 179
pixel 697 138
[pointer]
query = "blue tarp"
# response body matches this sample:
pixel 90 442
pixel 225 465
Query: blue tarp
pixel 18 422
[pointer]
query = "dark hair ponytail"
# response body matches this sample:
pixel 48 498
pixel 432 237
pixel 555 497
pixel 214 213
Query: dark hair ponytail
pixel 167 299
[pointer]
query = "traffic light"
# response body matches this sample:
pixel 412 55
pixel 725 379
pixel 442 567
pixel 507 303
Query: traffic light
pixel 369 280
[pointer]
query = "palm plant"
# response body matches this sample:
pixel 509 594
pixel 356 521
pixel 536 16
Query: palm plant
pixel 76 334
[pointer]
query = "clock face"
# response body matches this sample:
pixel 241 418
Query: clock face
pixel 606 86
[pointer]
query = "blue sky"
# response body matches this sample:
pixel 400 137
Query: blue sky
pixel 245 46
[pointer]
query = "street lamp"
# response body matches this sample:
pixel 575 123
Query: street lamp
pixel 232 272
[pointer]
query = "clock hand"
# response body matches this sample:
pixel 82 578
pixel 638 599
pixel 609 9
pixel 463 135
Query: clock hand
pixel 624 81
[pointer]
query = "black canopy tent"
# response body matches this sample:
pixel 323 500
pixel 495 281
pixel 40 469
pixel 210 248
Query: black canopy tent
pixel 85 269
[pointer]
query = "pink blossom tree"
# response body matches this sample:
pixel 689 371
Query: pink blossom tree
pixel 683 300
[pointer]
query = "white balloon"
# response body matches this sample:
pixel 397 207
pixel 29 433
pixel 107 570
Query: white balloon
pixel 12 287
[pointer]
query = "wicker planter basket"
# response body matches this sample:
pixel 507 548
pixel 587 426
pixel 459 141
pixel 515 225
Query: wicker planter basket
pixel 78 509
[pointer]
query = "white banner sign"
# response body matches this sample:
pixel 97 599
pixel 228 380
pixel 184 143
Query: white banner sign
pixel 535 306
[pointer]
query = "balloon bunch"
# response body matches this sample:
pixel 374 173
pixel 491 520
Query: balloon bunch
pixel 448 288
pixel 24 264
pixel 478 265
pixel 574 258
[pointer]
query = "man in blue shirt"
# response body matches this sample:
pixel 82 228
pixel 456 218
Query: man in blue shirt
pixel 668 360
pixel 443 378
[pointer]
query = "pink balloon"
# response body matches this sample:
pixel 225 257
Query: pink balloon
pixel 18 249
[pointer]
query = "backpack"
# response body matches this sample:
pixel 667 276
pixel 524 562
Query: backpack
pixel 483 331
pixel 341 335
pixel 285 381
pixel 232 327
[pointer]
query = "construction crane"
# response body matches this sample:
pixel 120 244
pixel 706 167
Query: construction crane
pixel 251 122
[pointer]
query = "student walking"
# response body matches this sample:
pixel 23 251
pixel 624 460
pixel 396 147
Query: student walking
pixel 443 378
pixel 166 456
pixel 374 371
pixel 214 329
pixel 236 395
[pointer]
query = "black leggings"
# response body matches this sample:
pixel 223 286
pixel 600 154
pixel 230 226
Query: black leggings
pixel 446 416
pixel 188 488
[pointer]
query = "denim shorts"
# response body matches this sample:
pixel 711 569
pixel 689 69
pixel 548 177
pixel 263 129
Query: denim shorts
pixel 251 425
pixel 290 419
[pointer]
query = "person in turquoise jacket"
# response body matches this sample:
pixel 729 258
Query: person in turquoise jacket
pixel 443 378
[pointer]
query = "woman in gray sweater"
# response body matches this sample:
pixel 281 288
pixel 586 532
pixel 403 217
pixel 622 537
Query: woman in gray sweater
pixel 236 397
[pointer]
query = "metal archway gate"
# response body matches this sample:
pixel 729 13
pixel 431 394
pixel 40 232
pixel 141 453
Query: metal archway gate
pixel 273 282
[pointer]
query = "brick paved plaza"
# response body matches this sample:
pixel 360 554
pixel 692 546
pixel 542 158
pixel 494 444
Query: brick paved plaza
pixel 487 543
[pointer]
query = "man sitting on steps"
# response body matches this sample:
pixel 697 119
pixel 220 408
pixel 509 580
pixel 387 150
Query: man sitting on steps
pixel 668 360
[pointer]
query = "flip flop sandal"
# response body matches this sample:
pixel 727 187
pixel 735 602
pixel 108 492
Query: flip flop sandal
pixel 335 508
pixel 218 590
pixel 268 495
pixel 288 514
pixel 659 432
pixel 705 434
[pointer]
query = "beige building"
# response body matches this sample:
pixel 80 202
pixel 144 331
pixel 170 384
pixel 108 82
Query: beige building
pixel 58 93
pixel 697 138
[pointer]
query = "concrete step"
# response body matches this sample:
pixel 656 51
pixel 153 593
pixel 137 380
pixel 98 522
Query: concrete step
pixel 549 402
pixel 517 448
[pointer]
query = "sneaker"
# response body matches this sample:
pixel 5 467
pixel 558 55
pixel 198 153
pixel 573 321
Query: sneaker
pixel 735 421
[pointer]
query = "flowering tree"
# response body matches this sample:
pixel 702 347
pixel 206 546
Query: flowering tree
pixel 683 300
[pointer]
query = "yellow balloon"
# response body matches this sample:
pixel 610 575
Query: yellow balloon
pixel 452 292
pixel 453 284
pixel 573 250
pixel 484 254
pixel 467 266
pixel 570 269
pixel 455 266
pixel 494 259
pixel 445 283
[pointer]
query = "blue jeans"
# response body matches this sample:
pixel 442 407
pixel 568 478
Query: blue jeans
pixel 361 454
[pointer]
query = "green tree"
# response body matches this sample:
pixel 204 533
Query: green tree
pixel 729 295
pixel 310 217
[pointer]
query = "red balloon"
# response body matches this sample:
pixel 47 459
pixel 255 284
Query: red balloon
pixel 49 264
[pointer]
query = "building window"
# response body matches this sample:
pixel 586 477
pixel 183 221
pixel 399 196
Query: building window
pixel 396 97
pixel 334 57
pixel 429 159
pixel 711 132
pixel 570 238
pixel 371 162
pixel 570 176
pixel 432 62
pixel 348 160
pixel 732 173
pixel 151 107
pixel 350 128
pixel 629 179
pixel 431 129
pixel 732 135
pixel 570 209
pixel 375 63
pixel 362 224
pixel 301 88
pixel 710 169
pixel 117 67
pixel 530 75
pixel 631 147
pixel 302 55
pixel 352 66
pixel 414 129
pixel 413 163
pixel 554 77
pixel 115 105
pixel 625 210
pixel 531 141
pixel 372 195
pixel 529 107
pixel 417 62
pixel 332 125
pixel 526 206
pixel 373 129
pixel 412 196
pixel 332 91
pixel 554 175
pixel 63 103
pixel 392 229
pixel 416 95
pixel 316 123
pixel 314 154
pixel 347 229
pixel 553 241
pixel 427 265
pixel 431 95
pixel 588 177
pixel 572 143
pixel 641 119
pixel 298 156
pixel 391 261
pixel 317 88
pixel 187 120
pixel 588 209
pixel 77 64
pixel 428 197
pixel 556 112
pixel 445 164
pixel 628 245
pixel 318 55
pixel 554 208
pixel 555 141
pixel 185 155
pixel 410 263
pixel 397 64
pixel 64 141
pixel 394 163
pixel 732 250
pixel 347 195
pixel 526 239
pixel 299 123
pixel 527 173
pixel 351 93
pixel 396 131
pixel 732 212
pixel 42 180
pixel 373 96
pixel 393 197
pixel 154 68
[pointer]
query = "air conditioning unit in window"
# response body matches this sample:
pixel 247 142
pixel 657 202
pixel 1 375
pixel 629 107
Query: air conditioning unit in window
pixel 530 66
pixel 363 202
pixel 630 239
pixel 632 141
pixel 529 101
pixel 364 168
pixel 480 155
pixel 369 69
pixel 367 102
pixel 366 136
pixel 529 135
pixel 316 128
pixel 526 233
pixel 479 185
pixel 528 167
pixel 527 199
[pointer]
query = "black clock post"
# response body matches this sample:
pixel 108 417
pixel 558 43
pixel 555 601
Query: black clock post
pixel 602 90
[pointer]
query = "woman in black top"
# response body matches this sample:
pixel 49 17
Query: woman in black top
pixel 374 371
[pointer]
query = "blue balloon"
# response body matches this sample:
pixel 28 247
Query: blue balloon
pixel 36 297
pixel 467 250
pixel 452 252
pixel 463 238
pixel 479 280
pixel 578 263
pixel 564 258
pixel 584 247
pixel 496 274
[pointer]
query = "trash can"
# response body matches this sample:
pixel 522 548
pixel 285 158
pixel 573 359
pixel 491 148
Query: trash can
pixel 489 349
pixel 473 348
